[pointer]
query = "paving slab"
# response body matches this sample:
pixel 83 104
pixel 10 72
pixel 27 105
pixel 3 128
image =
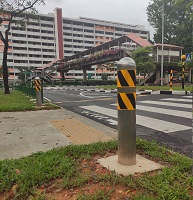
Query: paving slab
pixel 142 165
pixel 80 133
pixel 24 133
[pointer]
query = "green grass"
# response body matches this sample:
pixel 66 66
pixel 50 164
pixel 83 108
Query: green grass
pixel 186 88
pixel 16 101
pixel 174 181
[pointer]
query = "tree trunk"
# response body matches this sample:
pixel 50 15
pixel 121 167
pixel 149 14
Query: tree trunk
pixel 5 69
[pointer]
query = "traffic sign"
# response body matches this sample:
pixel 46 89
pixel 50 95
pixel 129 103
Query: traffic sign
pixel 188 57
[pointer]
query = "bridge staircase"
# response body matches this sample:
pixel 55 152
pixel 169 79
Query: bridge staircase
pixel 46 71
pixel 150 78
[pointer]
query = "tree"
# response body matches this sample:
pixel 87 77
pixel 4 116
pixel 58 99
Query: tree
pixel 178 17
pixel 9 12
pixel 144 60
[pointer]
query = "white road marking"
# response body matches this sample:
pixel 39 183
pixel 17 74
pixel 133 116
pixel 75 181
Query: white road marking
pixel 177 113
pixel 82 94
pixel 181 105
pixel 178 100
pixel 188 97
pixel 156 124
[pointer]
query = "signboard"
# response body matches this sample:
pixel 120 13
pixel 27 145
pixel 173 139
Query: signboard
pixel 188 57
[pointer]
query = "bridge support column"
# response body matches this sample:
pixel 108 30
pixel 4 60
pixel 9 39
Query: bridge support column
pixel 62 74
pixel 158 76
pixel 84 74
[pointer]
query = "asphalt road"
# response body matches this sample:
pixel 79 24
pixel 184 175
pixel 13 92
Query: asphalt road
pixel 164 118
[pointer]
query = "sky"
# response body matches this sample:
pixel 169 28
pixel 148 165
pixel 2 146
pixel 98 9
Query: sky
pixel 125 11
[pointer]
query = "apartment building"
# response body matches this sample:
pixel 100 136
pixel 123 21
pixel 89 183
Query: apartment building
pixel 52 36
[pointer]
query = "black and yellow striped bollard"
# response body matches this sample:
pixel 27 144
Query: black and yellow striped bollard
pixel 126 106
pixel 37 82
pixel 171 78
pixel 183 57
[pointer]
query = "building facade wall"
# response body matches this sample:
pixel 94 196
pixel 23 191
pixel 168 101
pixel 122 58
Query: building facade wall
pixel 52 36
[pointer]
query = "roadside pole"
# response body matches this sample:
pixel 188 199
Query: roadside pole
pixel 183 57
pixel 171 78
pixel 42 90
pixel 126 106
pixel 38 91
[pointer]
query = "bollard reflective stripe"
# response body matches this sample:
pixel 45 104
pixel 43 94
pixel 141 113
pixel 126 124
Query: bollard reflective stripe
pixel 126 101
pixel 37 85
pixel 126 78
pixel 171 78
pixel 183 57
pixel 38 91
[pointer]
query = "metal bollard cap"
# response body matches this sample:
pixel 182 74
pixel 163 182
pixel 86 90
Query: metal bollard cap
pixel 37 78
pixel 126 63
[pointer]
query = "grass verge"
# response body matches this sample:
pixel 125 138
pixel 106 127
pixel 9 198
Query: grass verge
pixel 74 172
pixel 16 101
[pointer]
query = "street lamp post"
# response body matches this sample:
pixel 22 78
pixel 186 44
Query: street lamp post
pixel 162 57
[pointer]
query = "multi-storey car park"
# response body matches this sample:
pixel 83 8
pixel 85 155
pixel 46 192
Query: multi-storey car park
pixel 52 36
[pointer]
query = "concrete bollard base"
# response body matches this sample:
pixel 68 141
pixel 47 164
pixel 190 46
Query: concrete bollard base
pixel 142 165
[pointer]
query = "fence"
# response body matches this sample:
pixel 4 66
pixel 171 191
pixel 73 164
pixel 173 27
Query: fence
pixel 30 91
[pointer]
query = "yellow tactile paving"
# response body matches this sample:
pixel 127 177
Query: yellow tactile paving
pixel 78 132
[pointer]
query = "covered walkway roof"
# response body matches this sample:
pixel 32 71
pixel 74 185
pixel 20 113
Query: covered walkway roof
pixel 116 42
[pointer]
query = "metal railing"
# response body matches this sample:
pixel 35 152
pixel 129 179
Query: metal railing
pixel 30 91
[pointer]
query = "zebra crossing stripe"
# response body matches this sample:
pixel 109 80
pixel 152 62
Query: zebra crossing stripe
pixel 156 124
pixel 167 104
pixel 126 101
pixel 170 112
pixel 189 97
pixel 126 78
pixel 178 100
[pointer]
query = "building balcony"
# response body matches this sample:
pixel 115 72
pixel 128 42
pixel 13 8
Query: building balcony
pixel 34 46
pixel 33 33
pixel 18 38
pixel 67 31
pixel 77 38
pixel 34 40
pixel 20 64
pixel 78 26
pixel 46 22
pixel 20 51
pixel 47 28
pixel 18 31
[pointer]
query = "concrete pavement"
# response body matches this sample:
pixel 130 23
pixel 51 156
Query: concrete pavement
pixel 24 133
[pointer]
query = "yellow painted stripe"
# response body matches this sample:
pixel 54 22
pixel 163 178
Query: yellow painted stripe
pixel 118 83
pixel 37 83
pixel 118 107
pixel 128 78
pixel 38 88
pixel 127 101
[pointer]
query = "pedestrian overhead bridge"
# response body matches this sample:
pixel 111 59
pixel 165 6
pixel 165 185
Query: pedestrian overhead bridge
pixel 110 51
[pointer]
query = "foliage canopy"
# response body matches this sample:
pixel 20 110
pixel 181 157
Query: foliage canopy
pixel 178 25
